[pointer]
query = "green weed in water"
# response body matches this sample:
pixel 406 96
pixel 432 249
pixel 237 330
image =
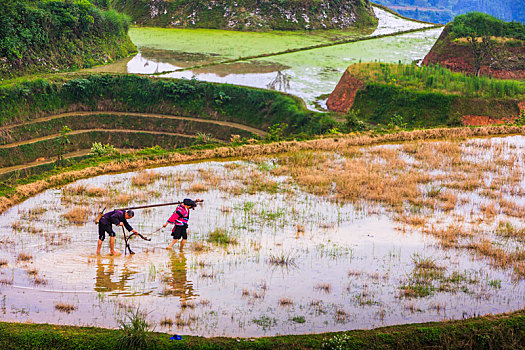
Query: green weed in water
pixel 221 236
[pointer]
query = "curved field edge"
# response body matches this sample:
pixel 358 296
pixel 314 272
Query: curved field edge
pixel 15 191
pixel 115 120
pixel 25 100
pixel 504 331
pixel 31 150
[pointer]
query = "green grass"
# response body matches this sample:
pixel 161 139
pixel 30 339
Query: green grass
pixel 221 236
pixel 47 36
pixel 436 79
pixel 26 99
pixel 490 332
pixel 240 14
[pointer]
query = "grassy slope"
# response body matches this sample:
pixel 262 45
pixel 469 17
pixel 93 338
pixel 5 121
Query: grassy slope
pixel 430 96
pixel 506 58
pixel 249 15
pixel 28 99
pixel 490 332
pixel 51 36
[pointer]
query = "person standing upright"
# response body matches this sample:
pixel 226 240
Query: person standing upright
pixel 180 218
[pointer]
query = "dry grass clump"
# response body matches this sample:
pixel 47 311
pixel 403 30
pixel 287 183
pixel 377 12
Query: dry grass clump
pixel 166 322
pixel 199 247
pixel 36 212
pixel 207 274
pixel 37 280
pixel 144 178
pixel 65 307
pixel 3 262
pixel 57 239
pixel 24 257
pixel 77 215
pixel 285 301
pixel 75 190
pixel 17 226
pixel 96 191
pixel 282 260
pixel 123 198
pixel 32 272
pixel 187 305
pixel 6 281
pixel 325 287
pixel 508 230
pixel 198 187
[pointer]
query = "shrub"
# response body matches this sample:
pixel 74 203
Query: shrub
pixel 136 333
pixel 100 150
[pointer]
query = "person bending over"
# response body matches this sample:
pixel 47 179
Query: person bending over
pixel 115 217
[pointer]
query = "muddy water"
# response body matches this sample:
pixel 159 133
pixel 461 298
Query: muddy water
pixel 346 264
pixel 309 74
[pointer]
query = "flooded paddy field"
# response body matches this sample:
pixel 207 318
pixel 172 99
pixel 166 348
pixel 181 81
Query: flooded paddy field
pixel 295 243
pixel 308 74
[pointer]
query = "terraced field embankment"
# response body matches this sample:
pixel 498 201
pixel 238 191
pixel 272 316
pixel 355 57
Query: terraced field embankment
pixel 37 139
pixel 132 112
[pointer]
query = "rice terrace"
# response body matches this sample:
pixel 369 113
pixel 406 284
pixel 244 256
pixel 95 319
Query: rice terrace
pixel 259 175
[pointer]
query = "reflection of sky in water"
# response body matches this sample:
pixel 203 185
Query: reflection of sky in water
pixel 338 239
pixel 314 72
pixel 388 23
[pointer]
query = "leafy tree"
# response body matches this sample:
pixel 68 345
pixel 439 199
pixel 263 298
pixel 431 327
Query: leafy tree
pixel 61 143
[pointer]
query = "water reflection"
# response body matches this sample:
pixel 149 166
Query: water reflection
pixel 107 280
pixel 281 82
pixel 178 284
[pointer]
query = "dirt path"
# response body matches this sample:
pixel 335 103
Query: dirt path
pixel 146 115
pixel 80 153
pixel 46 161
pixel 75 132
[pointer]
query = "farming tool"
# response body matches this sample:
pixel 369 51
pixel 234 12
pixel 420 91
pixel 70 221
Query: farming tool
pixel 126 240
pixel 99 215
pixel 158 205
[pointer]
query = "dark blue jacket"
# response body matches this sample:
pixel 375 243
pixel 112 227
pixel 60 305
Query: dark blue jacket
pixel 115 217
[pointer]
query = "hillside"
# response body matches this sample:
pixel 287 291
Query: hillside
pixel 498 49
pixel 443 11
pixel 249 15
pixel 49 36
pixel 425 96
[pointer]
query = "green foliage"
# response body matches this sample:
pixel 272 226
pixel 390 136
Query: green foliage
pixel 353 123
pixel 33 30
pixel 136 333
pixel 100 150
pixel 443 11
pixel 480 24
pixel 437 79
pixel 299 319
pixel 221 236
pixel 255 107
pixel 339 342
pixel 203 138
pixel 221 98
pixel 397 121
pixel 276 132
pixel 520 121
pixel 61 143
pixel 254 16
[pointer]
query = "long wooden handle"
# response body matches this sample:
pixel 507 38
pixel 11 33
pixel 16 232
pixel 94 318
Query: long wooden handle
pixel 157 205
